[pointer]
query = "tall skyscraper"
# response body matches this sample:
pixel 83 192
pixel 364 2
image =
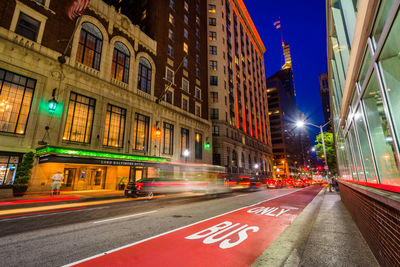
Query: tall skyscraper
pixel 325 97
pixel 287 55
pixel 238 105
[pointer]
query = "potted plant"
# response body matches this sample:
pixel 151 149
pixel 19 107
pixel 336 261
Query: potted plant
pixel 23 175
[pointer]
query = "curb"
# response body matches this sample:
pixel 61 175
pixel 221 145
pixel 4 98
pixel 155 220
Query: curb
pixel 287 249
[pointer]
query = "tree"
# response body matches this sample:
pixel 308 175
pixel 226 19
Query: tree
pixel 330 150
pixel 23 174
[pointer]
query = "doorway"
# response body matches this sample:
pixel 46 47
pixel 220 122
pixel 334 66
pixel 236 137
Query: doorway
pixel 69 178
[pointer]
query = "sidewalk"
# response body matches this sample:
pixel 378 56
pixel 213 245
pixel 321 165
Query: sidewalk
pixel 323 235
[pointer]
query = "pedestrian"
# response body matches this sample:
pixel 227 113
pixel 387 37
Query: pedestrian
pixel 336 185
pixel 55 187
pixel 330 183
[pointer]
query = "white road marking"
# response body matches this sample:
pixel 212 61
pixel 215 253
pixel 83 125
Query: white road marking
pixel 241 195
pixel 123 217
pixel 174 230
pixel 47 214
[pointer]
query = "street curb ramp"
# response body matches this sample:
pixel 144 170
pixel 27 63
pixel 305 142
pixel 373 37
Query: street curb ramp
pixel 288 248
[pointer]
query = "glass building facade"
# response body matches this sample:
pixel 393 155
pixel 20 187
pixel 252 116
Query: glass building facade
pixel 364 78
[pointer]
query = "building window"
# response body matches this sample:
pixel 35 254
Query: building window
pixel 27 27
pixel 184 140
pixel 198 45
pixel 16 93
pixel 79 124
pixel 185 85
pixel 214 114
pixel 185 48
pixel 198 146
pixel 185 104
pixel 171 19
pixel 186 6
pixel 172 4
pixel 144 75
pixel 215 130
pixel 198 20
pixel 186 33
pixel 198 93
pixel 144 15
pixel 197 7
pixel 171 34
pixel 213 50
pixel 198 110
pixel 214 97
pixel 185 62
pixel 214 80
pixel 90 45
pixel 168 97
pixel 115 126
pixel 198 58
pixel 169 75
pixel 185 19
pixel 168 139
pixel 141 132
pixel 212 21
pixel 212 9
pixel 120 62
pixel 212 36
pixel 197 32
pixel 197 72
pixel 40 1
pixel 213 64
pixel 170 51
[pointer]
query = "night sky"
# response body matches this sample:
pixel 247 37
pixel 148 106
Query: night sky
pixel 304 28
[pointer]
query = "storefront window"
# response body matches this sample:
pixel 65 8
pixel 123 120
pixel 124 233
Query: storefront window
pixel 16 93
pixel 115 126
pixel 356 154
pixel 198 146
pixel 141 132
pixel 364 147
pixel 168 138
pixel 381 137
pixel 381 18
pixel 390 65
pixel 8 167
pixel 184 140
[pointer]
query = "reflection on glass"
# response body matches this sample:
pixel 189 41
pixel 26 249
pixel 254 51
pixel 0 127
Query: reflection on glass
pixel 381 137
pixel 352 164
pixel 364 68
pixel 364 147
pixel 356 153
pixel 381 18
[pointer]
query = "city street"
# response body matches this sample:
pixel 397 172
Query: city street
pixel 251 219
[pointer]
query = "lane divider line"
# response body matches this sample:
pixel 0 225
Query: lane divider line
pixel 174 230
pixel 128 216
pixel 43 212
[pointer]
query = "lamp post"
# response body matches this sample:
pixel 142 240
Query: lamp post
pixel 186 154
pixel 301 124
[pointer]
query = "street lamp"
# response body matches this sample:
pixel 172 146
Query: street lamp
pixel 256 166
pixel 301 124
pixel 186 154
pixel 313 149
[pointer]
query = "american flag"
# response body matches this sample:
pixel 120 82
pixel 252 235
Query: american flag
pixel 77 8
pixel 277 23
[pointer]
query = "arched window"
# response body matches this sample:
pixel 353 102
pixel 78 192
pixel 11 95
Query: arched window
pixel 90 45
pixel 144 75
pixel 120 62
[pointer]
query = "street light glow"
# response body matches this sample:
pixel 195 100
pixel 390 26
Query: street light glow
pixel 256 166
pixel 313 149
pixel 186 153
pixel 300 124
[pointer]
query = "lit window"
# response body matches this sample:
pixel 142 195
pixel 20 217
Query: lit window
pixel 198 20
pixel 90 45
pixel 16 93
pixel 141 132
pixel 114 126
pixel 27 27
pixel 171 34
pixel 185 48
pixel 186 6
pixel 212 36
pixel 80 114
pixel 212 9
pixel 185 85
pixel 120 62
pixel 213 64
pixel 144 75
pixel 184 140
pixel 168 140
pixel 198 146
pixel 144 15
pixel 171 19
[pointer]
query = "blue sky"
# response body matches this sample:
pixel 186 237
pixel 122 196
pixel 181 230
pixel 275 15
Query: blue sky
pixel 304 28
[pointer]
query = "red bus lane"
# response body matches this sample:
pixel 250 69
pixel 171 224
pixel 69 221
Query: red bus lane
pixel 233 239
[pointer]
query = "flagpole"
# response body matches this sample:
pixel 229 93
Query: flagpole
pixel 61 58
pixel 280 28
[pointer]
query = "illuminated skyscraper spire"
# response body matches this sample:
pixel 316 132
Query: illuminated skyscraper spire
pixel 285 47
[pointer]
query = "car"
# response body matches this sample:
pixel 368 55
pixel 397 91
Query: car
pixel 298 183
pixel 273 184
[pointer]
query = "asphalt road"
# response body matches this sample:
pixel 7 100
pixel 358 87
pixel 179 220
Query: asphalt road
pixel 59 238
